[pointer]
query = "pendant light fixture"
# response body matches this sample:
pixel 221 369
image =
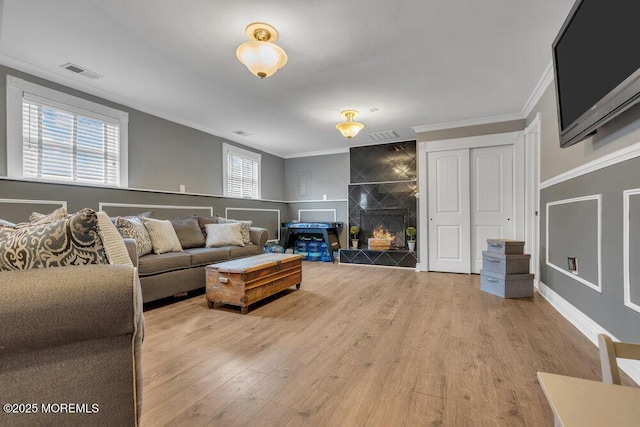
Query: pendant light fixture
pixel 260 55
pixel 349 128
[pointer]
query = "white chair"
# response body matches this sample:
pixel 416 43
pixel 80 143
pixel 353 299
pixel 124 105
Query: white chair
pixel 609 352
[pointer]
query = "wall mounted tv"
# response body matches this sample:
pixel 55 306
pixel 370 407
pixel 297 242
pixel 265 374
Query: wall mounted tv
pixel 596 62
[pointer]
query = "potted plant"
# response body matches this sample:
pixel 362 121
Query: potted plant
pixel 411 232
pixel 354 230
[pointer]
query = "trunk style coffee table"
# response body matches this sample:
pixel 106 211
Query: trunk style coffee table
pixel 244 281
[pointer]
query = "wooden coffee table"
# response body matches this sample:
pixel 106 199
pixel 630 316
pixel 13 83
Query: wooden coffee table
pixel 244 281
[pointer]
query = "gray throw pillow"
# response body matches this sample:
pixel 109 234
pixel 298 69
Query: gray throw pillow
pixel 188 231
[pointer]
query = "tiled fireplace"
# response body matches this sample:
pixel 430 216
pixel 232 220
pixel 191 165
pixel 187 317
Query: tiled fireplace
pixel 382 198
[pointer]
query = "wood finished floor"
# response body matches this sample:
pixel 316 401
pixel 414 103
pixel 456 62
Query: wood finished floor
pixel 360 346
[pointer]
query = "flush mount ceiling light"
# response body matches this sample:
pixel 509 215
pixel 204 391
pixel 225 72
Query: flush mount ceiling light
pixel 260 55
pixel 349 129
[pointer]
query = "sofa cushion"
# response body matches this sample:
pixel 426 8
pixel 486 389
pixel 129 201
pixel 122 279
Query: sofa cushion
pixel 73 240
pixel 188 231
pixel 160 263
pixel 244 251
pixel 133 228
pixel 224 235
pixel 163 236
pixel 114 246
pixel 206 256
pixel 245 228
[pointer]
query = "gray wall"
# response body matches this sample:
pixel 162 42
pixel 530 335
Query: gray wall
pixel 162 154
pixel 16 198
pixel 621 132
pixel 309 178
pixel 573 226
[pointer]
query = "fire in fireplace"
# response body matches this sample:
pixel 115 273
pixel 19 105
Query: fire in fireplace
pixel 385 226
pixel 382 239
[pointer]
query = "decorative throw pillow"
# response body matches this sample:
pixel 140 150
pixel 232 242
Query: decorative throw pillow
pixel 4 223
pixel 38 218
pixel 73 240
pixel 113 245
pixel 147 214
pixel 163 236
pixel 224 235
pixel 188 231
pixel 133 228
pixel 204 220
pixel 245 227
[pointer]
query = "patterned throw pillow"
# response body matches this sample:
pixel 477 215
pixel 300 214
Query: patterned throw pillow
pixel 245 226
pixel 133 228
pixel 163 236
pixel 38 218
pixel 73 240
pixel 223 235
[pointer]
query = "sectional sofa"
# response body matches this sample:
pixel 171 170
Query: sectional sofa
pixel 171 273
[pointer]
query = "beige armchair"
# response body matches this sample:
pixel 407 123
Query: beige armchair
pixel 70 342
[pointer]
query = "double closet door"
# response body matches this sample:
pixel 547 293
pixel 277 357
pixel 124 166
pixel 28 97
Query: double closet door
pixel 470 200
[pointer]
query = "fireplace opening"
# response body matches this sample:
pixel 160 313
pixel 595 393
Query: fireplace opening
pixel 384 228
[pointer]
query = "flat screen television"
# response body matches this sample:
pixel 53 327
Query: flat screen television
pixel 596 62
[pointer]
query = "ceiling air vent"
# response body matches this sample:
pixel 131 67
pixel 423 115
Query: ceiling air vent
pixel 383 136
pixel 82 71
pixel 241 133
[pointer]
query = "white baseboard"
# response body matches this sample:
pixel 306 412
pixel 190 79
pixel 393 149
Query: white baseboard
pixel 587 326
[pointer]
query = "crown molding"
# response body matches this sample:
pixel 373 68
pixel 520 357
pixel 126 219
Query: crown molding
pixel 316 153
pixel 538 90
pixel 470 122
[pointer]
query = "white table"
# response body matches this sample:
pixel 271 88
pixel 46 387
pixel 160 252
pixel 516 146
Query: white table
pixel 584 403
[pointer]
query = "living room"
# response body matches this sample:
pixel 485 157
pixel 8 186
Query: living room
pixel 355 344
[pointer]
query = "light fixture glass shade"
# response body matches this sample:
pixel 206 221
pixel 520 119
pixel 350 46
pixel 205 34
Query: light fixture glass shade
pixel 349 129
pixel 261 55
pixel 263 59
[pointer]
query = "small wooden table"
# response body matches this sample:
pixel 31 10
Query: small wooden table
pixel 584 403
pixel 244 281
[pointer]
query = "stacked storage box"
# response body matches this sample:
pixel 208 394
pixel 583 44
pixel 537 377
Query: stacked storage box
pixel 505 269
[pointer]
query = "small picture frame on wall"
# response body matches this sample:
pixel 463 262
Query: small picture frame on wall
pixel 572 265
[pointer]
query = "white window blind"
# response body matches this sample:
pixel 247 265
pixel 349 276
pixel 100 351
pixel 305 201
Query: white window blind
pixel 62 144
pixel 242 173
pixel 54 136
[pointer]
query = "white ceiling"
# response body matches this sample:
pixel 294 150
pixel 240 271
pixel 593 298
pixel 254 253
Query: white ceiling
pixel 419 62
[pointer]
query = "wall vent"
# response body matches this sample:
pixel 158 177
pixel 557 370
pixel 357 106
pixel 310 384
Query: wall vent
pixel 74 68
pixel 383 136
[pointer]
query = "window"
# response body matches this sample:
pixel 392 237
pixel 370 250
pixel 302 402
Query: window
pixel 57 137
pixel 241 172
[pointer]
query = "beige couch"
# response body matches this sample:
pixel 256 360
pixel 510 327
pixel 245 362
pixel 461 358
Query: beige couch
pixel 171 273
pixel 71 336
